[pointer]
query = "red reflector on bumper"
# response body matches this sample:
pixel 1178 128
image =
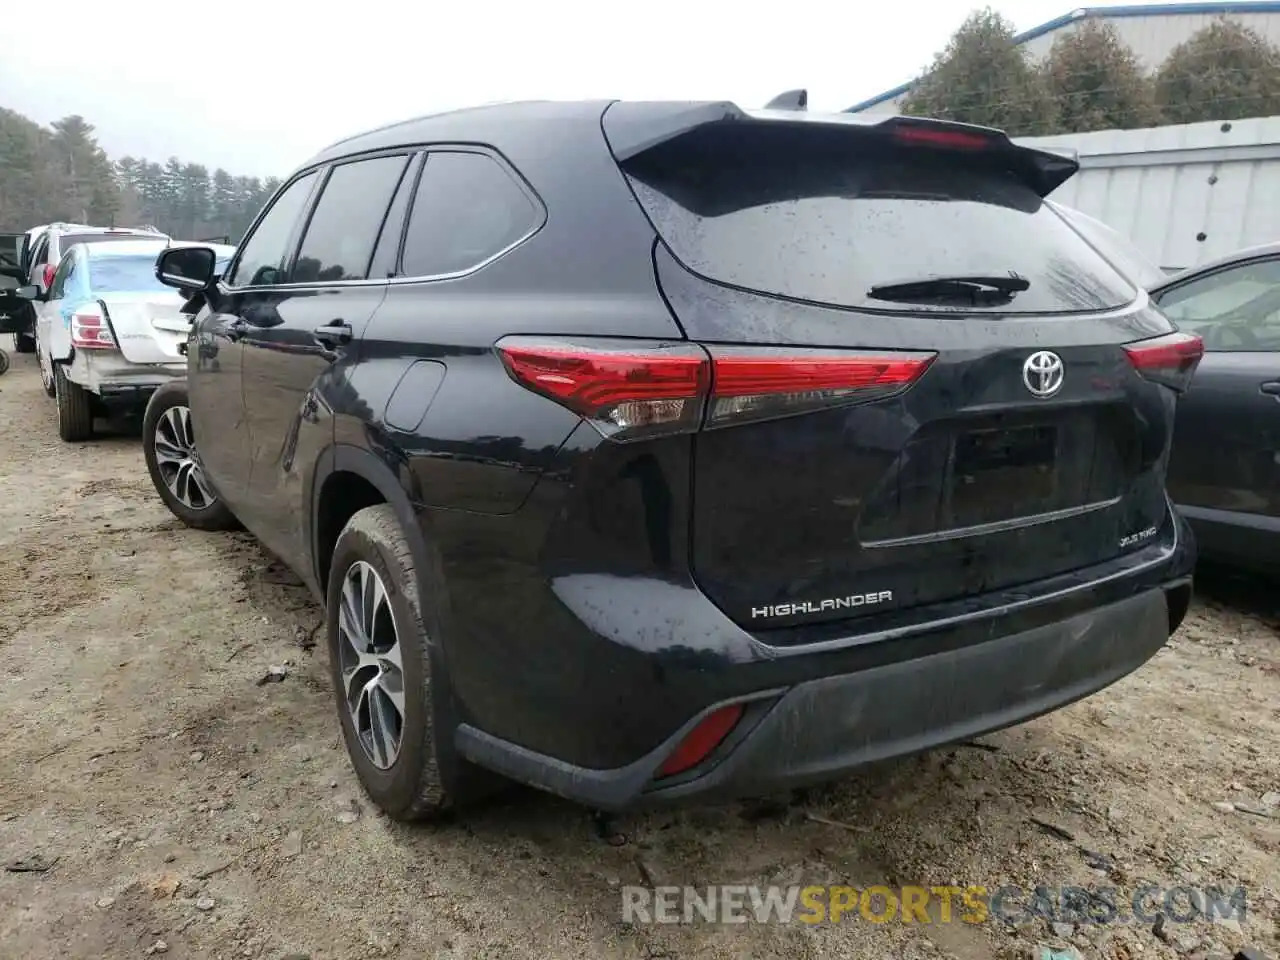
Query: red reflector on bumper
pixel 702 739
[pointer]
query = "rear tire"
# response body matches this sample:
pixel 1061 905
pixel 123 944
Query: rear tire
pixel 403 755
pixel 168 446
pixel 24 343
pixel 75 408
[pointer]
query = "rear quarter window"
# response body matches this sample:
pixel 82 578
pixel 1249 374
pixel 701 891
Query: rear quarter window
pixel 822 218
pixel 468 209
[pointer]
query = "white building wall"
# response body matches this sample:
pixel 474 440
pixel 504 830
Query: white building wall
pixel 1183 194
pixel 1153 38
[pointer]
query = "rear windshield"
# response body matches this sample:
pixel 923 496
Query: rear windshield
pixel 823 218
pixel 124 275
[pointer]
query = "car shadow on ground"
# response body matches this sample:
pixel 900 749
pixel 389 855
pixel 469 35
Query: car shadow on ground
pixel 124 430
pixel 1254 594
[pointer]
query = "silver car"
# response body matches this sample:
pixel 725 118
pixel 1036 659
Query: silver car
pixel 109 333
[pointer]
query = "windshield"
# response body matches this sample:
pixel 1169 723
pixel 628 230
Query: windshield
pixel 781 213
pixel 124 275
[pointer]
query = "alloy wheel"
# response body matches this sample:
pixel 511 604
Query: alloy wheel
pixel 371 664
pixel 175 448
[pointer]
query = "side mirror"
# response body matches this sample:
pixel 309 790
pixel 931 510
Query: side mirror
pixel 31 292
pixel 186 268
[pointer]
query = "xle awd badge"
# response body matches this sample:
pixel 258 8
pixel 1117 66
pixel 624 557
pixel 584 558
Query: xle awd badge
pixel 1043 373
pixel 1138 537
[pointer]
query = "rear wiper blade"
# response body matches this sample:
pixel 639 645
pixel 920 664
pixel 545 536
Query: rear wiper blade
pixel 976 288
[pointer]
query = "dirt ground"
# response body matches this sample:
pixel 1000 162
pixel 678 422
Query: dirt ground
pixel 154 799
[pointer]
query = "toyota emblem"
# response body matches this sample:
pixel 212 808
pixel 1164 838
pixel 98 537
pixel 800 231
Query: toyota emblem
pixel 1042 372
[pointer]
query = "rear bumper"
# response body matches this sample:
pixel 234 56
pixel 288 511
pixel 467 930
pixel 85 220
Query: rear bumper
pixel 812 715
pixel 117 382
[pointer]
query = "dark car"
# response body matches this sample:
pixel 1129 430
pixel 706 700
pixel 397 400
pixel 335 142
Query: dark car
pixel 17 316
pixel 643 451
pixel 1224 473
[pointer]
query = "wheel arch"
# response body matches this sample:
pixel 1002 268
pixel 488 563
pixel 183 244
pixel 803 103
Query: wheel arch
pixel 348 479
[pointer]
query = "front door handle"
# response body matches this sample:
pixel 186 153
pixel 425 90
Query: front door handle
pixel 1271 387
pixel 334 333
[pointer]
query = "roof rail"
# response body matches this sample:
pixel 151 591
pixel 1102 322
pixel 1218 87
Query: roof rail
pixel 791 100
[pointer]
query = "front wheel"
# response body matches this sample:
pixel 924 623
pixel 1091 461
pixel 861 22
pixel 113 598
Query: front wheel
pixel 392 695
pixel 169 446
pixel 24 343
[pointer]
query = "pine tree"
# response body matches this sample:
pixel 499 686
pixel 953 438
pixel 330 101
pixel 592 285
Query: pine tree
pixel 983 77
pixel 1224 72
pixel 1097 82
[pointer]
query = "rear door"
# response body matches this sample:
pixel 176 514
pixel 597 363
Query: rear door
pixel 216 353
pixel 69 290
pixel 13 311
pixel 880 436
pixel 11 250
pixel 1225 469
pixel 316 317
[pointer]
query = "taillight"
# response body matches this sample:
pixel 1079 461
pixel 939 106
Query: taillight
pixel 47 279
pixel 1171 359
pixel 624 388
pixel 759 383
pixel 90 330
pixel 628 389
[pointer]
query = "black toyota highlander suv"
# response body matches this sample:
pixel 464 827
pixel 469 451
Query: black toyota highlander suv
pixel 642 451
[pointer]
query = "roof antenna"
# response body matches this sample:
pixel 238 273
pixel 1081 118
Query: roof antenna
pixel 791 100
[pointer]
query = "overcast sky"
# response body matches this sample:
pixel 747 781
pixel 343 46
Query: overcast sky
pixel 256 86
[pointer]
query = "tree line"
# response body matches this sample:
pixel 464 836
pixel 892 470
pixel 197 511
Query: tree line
pixel 1092 80
pixel 61 173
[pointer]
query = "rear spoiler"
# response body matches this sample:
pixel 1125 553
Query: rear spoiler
pixel 634 127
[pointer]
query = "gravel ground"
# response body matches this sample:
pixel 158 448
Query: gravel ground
pixel 161 801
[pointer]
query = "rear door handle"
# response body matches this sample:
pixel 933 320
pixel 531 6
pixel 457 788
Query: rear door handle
pixel 1272 387
pixel 333 333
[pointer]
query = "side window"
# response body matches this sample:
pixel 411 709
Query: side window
pixel 468 209
pixel 264 252
pixel 1234 310
pixel 38 257
pixel 57 290
pixel 338 244
pixel 388 248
